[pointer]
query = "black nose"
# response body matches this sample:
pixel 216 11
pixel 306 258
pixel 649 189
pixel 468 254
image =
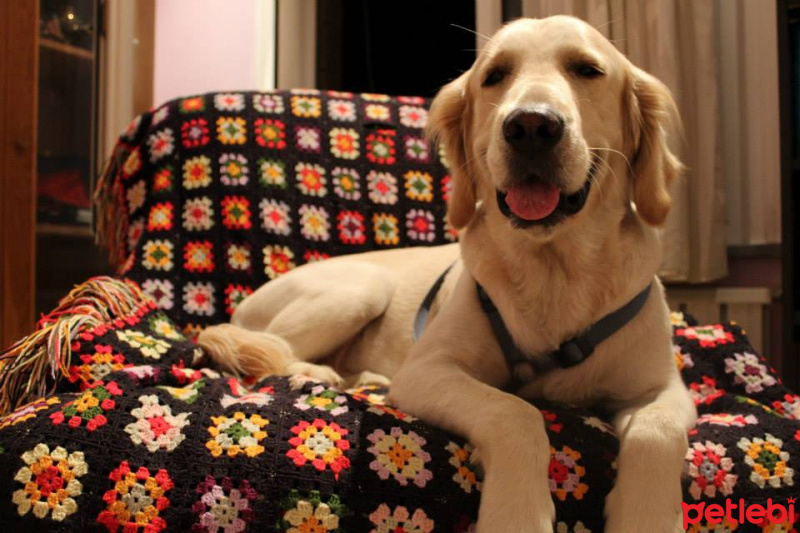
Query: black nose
pixel 536 129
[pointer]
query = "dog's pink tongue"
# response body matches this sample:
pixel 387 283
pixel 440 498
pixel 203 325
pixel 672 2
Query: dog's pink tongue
pixel 532 201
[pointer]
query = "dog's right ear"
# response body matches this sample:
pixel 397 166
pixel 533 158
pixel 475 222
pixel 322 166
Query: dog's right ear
pixel 652 112
pixel 446 124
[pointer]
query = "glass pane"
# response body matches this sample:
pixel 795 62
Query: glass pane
pixel 66 162
pixel 66 123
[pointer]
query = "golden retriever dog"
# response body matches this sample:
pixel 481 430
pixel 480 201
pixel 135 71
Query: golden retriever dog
pixel 561 173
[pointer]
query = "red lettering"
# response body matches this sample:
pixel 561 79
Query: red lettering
pixel 755 513
pixel 773 513
pixel 729 508
pixel 714 513
pixel 781 518
pixel 692 507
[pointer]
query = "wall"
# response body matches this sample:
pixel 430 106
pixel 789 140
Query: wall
pixel 213 45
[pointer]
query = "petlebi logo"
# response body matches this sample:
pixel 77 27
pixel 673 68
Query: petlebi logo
pixel 739 513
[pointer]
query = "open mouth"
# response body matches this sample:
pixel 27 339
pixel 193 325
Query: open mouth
pixel 537 203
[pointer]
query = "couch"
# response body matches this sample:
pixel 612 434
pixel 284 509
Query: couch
pixel 115 421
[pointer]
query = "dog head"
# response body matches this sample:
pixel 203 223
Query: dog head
pixel 552 125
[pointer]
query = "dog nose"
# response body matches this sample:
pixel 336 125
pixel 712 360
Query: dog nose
pixel 535 129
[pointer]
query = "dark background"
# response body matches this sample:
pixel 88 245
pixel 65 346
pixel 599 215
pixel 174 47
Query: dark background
pixel 410 47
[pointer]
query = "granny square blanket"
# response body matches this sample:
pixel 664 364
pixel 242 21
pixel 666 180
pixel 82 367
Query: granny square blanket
pixel 141 436
pixel 209 197
pixel 114 420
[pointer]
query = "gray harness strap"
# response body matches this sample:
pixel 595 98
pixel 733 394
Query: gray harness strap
pixel 425 308
pixel 522 367
pixel 571 352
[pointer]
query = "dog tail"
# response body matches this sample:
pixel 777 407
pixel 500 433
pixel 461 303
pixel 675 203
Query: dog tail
pixel 245 352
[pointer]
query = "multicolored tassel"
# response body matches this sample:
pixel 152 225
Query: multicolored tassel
pixel 111 220
pixel 33 366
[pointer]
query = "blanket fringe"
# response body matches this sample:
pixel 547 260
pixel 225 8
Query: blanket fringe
pixel 111 217
pixel 33 366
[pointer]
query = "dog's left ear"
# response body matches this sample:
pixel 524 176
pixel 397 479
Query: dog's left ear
pixel 651 110
pixel 446 123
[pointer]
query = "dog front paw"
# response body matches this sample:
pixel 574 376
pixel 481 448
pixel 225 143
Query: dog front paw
pixel 509 515
pixel 368 378
pixel 476 458
pixel 302 373
pixel 642 518
pixel 538 523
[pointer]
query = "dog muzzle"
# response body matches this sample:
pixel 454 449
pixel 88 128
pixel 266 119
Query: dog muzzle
pixel 537 203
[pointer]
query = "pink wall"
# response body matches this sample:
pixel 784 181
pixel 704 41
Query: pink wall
pixel 204 45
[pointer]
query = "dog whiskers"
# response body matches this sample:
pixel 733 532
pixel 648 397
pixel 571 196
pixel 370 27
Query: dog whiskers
pixel 468 161
pixel 595 181
pixel 488 39
pixel 627 161
pixel 609 23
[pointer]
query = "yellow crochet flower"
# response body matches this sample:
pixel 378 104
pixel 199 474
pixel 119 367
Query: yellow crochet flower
pixel 769 462
pixel 231 130
pixel 51 482
pixel 419 186
pixel 237 434
pixel 306 106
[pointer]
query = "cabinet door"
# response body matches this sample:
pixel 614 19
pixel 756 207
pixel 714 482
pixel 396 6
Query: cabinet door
pixel 66 159
pixel 18 71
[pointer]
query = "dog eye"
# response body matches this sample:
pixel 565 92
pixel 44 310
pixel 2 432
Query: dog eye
pixel 587 70
pixel 495 76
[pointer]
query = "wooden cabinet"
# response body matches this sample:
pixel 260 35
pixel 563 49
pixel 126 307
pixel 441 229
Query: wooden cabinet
pixel 73 73
pixel 66 149
pixel 19 21
pixel 49 120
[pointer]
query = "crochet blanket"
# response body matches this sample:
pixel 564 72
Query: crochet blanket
pixel 142 437
pixel 210 196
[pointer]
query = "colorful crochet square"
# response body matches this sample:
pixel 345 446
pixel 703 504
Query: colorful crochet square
pixel 136 501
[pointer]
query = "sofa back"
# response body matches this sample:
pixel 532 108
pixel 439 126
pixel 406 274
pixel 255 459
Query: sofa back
pixel 208 197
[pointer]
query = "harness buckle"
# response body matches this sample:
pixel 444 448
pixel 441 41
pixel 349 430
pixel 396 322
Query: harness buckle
pixel 573 352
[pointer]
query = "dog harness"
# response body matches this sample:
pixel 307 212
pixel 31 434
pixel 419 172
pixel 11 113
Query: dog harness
pixel 523 367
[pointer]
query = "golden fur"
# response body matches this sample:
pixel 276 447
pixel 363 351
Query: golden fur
pixel 549 283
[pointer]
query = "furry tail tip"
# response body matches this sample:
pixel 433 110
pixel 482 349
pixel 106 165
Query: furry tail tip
pixel 244 352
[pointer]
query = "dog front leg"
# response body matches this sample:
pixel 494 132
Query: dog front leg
pixel 508 431
pixel 653 442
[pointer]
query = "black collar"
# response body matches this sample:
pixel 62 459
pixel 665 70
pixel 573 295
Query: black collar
pixel 571 352
pixel 524 368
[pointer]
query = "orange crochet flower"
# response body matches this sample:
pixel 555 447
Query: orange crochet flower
pixel 136 500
